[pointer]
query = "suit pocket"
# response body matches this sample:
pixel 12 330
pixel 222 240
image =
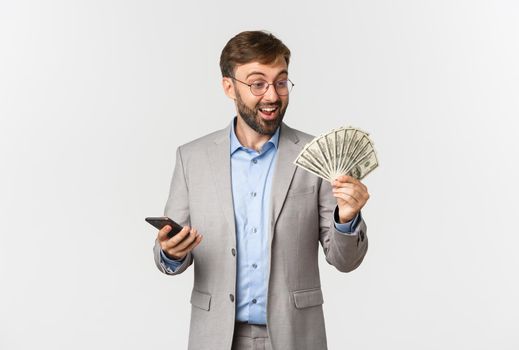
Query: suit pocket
pixel 200 300
pixel 299 191
pixel 308 297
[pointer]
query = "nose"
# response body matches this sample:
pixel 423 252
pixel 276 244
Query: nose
pixel 271 95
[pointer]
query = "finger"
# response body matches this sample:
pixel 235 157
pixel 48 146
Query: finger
pixel 186 242
pixel 352 193
pixel 346 178
pixel 166 242
pixel 360 188
pixel 192 245
pixel 348 199
pixel 179 237
pixel 351 189
pixel 163 233
pixel 343 184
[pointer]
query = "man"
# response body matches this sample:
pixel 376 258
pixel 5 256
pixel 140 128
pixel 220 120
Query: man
pixel 256 279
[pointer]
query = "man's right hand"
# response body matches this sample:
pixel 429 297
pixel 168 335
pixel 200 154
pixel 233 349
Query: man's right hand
pixel 180 244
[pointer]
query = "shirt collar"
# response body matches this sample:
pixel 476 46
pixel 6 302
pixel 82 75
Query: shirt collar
pixel 235 143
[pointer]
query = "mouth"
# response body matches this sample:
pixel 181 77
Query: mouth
pixel 269 112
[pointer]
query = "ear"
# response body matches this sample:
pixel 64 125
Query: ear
pixel 228 88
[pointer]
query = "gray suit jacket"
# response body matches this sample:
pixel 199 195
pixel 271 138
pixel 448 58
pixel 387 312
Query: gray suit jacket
pixel 302 208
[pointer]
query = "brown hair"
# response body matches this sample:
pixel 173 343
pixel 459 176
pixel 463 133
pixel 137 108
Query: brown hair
pixel 251 46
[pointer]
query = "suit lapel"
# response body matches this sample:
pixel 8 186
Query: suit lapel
pixel 288 149
pixel 219 157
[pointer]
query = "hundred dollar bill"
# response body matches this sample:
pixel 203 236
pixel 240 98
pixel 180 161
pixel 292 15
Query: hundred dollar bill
pixel 330 145
pixel 318 151
pixel 348 133
pixel 339 135
pixel 326 152
pixel 363 147
pixel 312 155
pixel 364 166
pixel 309 166
pixel 354 139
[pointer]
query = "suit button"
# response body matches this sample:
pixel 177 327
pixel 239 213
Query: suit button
pixel 231 297
pixel 233 251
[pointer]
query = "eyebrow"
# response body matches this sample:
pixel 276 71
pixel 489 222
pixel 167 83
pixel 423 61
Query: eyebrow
pixel 284 71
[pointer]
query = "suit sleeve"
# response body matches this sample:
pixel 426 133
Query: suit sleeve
pixel 177 208
pixel 343 251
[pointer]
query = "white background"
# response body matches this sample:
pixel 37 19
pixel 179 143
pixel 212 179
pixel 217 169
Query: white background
pixel 95 96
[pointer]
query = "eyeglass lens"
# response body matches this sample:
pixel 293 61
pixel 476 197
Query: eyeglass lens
pixel 282 87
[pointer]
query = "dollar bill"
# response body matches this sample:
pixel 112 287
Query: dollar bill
pixel 364 166
pixel 362 148
pixel 341 151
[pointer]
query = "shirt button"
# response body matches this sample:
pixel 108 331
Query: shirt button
pixel 254 161
pixel 254 230
pixel 254 265
pixel 233 251
pixel 253 194
pixel 231 297
pixel 254 301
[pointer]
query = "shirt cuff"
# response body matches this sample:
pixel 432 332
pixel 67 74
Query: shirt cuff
pixel 349 227
pixel 171 265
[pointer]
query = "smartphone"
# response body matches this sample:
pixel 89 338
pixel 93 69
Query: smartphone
pixel 160 222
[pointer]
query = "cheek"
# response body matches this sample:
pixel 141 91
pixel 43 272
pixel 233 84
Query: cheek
pixel 253 104
pixel 249 104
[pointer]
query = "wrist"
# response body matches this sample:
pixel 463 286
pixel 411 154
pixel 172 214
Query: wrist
pixel 345 218
pixel 173 256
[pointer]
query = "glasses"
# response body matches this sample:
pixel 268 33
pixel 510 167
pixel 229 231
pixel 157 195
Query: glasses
pixel 260 87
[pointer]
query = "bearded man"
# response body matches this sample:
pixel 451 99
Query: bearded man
pixel 252 220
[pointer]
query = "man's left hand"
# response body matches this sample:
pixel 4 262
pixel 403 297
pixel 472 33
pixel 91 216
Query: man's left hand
pixel 351 196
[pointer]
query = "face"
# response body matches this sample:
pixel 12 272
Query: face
pixel 262 114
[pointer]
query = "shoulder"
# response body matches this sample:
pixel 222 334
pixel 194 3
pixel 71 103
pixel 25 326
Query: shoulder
pixel 205 141
pixel 295 134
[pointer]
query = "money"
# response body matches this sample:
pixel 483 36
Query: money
pixel 342 151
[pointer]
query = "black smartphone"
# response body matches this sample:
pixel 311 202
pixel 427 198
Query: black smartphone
pixel 160 222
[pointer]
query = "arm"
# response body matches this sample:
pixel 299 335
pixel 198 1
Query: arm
pixel 344 251
pixel 177 207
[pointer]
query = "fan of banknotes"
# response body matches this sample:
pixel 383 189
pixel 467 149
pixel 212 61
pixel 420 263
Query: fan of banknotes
pixel 342 151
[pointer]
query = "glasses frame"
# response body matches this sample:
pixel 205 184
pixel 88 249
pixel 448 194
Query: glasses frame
pixel 268 86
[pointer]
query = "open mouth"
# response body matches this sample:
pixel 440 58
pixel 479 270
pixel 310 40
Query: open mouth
pixel 269 112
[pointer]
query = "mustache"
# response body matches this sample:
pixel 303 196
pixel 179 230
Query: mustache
pixel 267 105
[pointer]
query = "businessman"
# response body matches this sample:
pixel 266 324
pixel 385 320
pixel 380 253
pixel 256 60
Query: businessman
pixel 253 221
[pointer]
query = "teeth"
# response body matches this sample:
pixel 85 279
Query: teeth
pixel 268 109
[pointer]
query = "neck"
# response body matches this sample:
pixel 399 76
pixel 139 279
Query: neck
pixel 249 137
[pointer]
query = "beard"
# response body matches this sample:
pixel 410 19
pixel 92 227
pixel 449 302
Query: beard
pixel 254 120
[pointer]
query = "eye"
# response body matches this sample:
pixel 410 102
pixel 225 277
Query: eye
pixel 259 84
pixel 282 83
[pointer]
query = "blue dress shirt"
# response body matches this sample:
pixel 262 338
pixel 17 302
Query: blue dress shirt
pixel 251 174
pixel 251 178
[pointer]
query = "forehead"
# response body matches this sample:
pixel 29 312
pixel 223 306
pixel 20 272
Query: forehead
pixel 257 70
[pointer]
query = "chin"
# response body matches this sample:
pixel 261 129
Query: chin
pixel 269 127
